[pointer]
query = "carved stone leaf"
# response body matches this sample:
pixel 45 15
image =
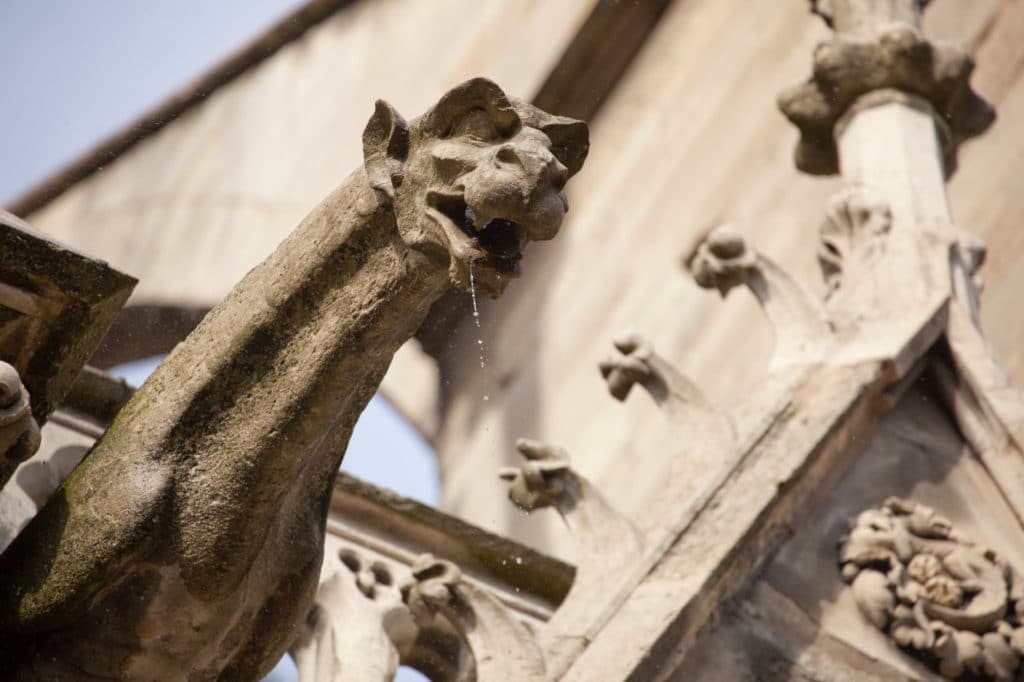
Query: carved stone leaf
pixel 938 594
pixel 875 599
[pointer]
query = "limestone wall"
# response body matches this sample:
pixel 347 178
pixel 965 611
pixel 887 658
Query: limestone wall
pixel 691 137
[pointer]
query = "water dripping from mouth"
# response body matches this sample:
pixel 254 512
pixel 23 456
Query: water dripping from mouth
pixel 476 319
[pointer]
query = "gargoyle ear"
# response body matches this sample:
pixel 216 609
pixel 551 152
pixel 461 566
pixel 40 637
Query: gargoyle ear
pixel 570 138
pixel 385 148
pixel 570 141
pixel 476 93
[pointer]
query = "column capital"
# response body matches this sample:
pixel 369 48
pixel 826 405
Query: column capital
pixel 878 46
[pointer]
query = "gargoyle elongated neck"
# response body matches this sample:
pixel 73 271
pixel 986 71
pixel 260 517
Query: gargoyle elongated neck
pixel 256 407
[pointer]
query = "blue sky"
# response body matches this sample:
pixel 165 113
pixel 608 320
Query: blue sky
pixel 75 71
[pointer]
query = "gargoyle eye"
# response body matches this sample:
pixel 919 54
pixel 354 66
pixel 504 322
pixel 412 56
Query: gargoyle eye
pixel 476 124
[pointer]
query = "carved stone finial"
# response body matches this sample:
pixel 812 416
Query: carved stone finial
pixel 939 595
pixel 541 480
pixel 637 363
pixel 545 479
pixel 358 625
pixel 725 260
pixel 19 432
pixel 878 46
pixel 503 647
pixel 687 410
pixel 608 542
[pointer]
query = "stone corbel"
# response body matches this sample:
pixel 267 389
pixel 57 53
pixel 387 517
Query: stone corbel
pixel 19 432
pixel 802 332
pixel 879 46
pixel 358 626
pixel 503 647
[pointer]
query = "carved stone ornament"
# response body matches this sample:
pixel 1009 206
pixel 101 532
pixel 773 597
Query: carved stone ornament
pixel 190 538
pixel 847 15
pixel 19 432
pixel 725 260
pixel 358 625
pixel 950 602
pixel 853 236
pixel 607 540
pixel 877 50
pixel 503 647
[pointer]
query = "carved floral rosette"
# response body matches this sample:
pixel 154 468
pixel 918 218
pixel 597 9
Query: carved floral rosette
pixel 945 599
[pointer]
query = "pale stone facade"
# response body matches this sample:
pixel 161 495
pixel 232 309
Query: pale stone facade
pixel 703 517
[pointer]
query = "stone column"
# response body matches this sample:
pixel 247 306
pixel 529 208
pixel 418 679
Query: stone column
pixel 887 108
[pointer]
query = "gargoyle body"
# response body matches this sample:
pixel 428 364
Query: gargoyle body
pixel 188 543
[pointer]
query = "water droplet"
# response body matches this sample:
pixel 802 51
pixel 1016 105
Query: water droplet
pixel 472 293
pixel 476 318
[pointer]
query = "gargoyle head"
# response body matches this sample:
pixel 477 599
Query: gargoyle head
pixel 475 178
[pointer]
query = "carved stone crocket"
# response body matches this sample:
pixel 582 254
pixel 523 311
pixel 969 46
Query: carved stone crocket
pixel 188 543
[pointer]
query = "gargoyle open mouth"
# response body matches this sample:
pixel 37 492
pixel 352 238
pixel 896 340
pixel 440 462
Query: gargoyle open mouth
pixel 497 244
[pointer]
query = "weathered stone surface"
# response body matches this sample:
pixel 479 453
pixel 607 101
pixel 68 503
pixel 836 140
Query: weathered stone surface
pixel 56 306
pixel 915 453
pixel 936 592
pixel 19 431
pixel 802 331
pixel 608 543
pixel 879 46
pixel 189 541
pixel 378 537
pixel 357 625
pixel 65 440
pixel 504 649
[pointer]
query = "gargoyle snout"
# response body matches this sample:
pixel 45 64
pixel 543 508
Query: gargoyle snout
pixel 536 161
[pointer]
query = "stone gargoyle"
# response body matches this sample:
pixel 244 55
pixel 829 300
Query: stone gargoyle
pixel 188 543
